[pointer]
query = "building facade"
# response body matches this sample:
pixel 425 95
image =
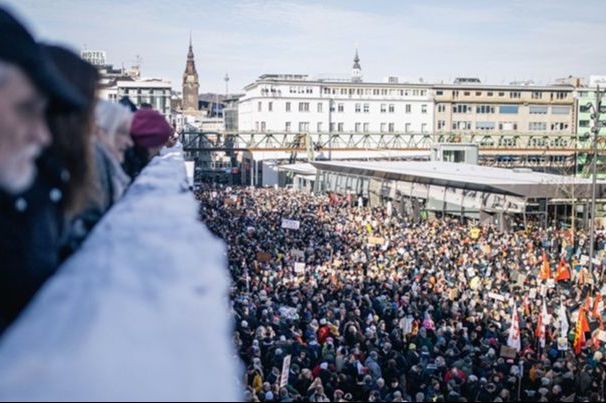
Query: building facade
pixel 512 109
pixel 292 103
pixel 155 92
pixel 191 84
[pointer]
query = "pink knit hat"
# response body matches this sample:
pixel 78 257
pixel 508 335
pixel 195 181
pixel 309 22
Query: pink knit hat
pixel 150 128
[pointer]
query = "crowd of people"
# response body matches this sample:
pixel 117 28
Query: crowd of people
pixel 65 158
pixel 344 302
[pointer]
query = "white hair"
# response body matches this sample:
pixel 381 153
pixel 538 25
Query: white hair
pixel 109 116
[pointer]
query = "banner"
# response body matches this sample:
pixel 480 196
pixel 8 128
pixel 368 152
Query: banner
pixel 285 371
pixel 374 240
pixel 297 253
pixel 474 233
pixel 290 224
pixel 263 257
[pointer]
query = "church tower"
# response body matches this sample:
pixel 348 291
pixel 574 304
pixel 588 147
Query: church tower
pixel 356 74
pixel 191 84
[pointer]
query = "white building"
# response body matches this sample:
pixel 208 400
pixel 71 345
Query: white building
pixel 155 92
pixel 297 103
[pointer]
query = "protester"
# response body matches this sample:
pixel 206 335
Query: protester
pixel 28 222
pixel 393 308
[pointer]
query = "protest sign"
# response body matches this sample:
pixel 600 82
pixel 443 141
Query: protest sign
pixel 290 224
pixel 263 257
pixel 285 371
pixel 299 268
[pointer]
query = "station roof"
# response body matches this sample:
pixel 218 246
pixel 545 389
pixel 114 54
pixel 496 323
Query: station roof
pixel 524 183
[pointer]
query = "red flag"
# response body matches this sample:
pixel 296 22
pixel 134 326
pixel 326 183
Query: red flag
pixel 579 334
pixel 596 306
pixel 563 272
pixel 545 268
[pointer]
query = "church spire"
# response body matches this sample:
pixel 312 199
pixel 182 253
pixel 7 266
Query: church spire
pixel 356 74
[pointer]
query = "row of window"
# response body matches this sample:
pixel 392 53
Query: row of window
pixel 503 126
pixel 340 107
pixel 511 94
pixel 505 109
pixel 374 91
pixel 359 127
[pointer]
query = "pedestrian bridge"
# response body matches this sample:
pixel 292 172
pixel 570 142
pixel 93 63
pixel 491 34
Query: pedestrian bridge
pixel 140 312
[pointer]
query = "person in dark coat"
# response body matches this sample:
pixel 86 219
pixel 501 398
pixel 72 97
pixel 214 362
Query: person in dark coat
pixel 30 192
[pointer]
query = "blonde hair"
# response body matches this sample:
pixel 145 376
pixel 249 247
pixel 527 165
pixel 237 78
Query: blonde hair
pixel 109 116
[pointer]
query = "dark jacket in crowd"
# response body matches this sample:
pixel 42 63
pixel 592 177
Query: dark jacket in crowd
pixel 135 159
pixel 31 225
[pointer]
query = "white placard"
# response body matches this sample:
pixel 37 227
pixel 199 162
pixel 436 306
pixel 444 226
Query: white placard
pixel 290 224
pixel 562 344
pixel 496 296
pixel 299 268
pixel 285 371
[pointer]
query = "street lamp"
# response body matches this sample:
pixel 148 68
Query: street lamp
pixel 595 129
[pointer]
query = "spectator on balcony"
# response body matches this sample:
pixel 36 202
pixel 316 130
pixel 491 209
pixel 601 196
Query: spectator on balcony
pixel 111 140
pixel 28 82
pixel 150 132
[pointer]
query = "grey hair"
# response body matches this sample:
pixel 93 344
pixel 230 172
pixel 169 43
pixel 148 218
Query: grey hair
pixel 110 115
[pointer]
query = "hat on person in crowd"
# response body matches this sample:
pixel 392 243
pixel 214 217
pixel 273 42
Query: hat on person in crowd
pixel 150 128
pixel 322 322
pixel 412 346
pixel 324 366
pixel 19 48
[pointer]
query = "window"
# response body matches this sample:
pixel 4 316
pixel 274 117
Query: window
pixel 583 123
pixel 383 127
pixel 340 108
pixel 466 93
pixel 485 125
pixel 501 94
pixel 366 127
pixel 340 127
pixel 508 109
pixel 515 94
pixel 287 127
pixel 392 127
pixel 561 95
pixel 440 92
pixel 559 126
pixel 584 109
pixel 332 127
pixel 319 107
pixel 441 108
pixel 319 127
pixel 332 106
pixel 538 109
pixel 303 106
pixel 508 126
pixel 392 108
pixel 259 106
pixel 489 94
pixel 358 108
pixel 407 127
pixel 461 108
pixel 560 110
pixel 462 125
pixel 537 126
pixel 424 108
pixel 441 124
pixel 478 93
pixel 270 106
pixel 358 126
pixel 288 107
pixel 408 108
pixel 484 109
pixel 303 126
pixel 262 126
pixel 383 108
pixel 256 126
pixel 423 127
pixel 537 95
pixel 366 108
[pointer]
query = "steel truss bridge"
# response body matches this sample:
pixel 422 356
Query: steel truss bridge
pixel 558 151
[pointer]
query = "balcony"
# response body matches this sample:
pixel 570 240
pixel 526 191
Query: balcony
pixel 140 312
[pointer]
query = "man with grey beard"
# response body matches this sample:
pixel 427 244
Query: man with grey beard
pixel 28 82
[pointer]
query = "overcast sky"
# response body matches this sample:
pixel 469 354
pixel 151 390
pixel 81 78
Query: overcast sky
pixel 497 41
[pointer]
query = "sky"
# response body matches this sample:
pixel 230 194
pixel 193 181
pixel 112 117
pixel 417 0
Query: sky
pixel 496 41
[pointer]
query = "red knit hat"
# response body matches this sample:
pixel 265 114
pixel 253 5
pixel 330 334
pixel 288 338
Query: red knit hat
pixel 150 128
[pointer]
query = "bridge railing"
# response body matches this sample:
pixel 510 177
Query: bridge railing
pixel 140 312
